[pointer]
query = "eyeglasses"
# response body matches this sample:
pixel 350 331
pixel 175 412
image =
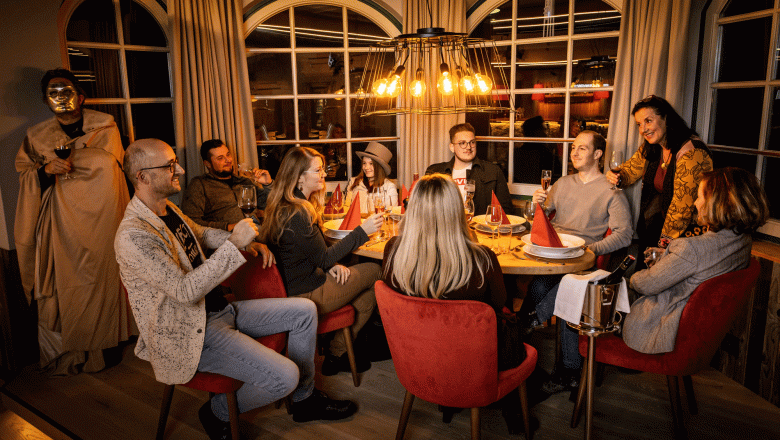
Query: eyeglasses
pixel 464 144
pixel 317 171
pixel 171 166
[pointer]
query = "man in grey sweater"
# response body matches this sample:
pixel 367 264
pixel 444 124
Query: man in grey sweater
pixel 585 206
pixel 212 199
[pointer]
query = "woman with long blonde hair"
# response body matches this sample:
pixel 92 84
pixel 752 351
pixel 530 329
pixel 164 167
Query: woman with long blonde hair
pixel 293 231
pixel 435 256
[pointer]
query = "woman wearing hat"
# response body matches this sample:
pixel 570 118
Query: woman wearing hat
pixel 373 177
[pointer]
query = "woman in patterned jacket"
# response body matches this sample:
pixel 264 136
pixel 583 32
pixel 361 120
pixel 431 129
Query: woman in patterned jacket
pixel 670 164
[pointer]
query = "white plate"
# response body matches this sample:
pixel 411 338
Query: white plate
pixel 515 221
pixel 553 255
pixel 332 229
pixel 570 243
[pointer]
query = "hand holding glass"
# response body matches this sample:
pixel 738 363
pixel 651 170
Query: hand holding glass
pixel 63 152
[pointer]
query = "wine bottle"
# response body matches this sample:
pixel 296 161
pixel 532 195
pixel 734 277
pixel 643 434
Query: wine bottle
pixel 618 273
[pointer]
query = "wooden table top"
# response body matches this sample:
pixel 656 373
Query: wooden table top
pixel 521 264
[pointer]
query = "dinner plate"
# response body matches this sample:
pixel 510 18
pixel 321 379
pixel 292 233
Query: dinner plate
pixel 540 252
pixel 332 229
pixel 515 221
pixel 570 243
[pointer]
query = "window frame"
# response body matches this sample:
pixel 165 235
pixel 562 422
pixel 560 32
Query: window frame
pixel 382 18
pixel 476 16
pixel 708 87
pixel 161 17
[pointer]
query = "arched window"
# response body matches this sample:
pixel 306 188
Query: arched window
pixel 739 100
pixel 305 63
pixel 558 57
pixel 120 53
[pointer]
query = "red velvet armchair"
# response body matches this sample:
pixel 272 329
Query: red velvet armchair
pixel 706 318
pixel 445 352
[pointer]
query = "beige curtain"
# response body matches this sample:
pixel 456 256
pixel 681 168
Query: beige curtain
pixel 651 61
pixel 424 138
pixel 209 63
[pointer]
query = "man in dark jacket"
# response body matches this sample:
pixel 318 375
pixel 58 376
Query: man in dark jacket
pixel 465 165
pixel 212 198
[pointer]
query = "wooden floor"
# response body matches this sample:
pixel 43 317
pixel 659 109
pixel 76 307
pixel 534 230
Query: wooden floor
pixel 123 403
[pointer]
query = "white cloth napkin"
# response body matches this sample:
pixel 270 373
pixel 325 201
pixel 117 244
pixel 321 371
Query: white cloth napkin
pixel 571 295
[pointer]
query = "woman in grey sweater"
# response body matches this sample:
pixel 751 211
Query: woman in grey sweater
pixel 731 205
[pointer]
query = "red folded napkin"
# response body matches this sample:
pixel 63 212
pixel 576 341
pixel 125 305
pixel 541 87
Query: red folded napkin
pixel 352 219
pixel 404 196
pixel 504 218
pixel 542 231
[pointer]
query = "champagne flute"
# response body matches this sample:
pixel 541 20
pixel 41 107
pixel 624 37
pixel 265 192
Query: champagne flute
pixel 615 163
pixel 546 179
pixel 247 199
pixel 468 207
pixel 529 211
pixel 338 201
pixel 63 152
pixel 493 219
pixel 379 207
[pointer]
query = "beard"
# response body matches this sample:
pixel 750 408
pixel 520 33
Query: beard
pixel 223 174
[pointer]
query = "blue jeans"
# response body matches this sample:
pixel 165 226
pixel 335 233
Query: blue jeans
pixel 230 349
pixel 543 290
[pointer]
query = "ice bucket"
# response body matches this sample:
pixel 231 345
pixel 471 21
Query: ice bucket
pixel 598 309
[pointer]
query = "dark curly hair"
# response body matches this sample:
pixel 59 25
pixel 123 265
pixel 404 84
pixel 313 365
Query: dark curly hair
pixel 677 130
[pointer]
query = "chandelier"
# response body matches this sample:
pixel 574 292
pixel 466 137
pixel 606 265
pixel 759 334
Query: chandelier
pixel 432 72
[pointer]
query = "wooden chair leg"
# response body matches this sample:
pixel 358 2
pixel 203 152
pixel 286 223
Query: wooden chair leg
pixel 165 407
pixel 693 408
pixel 674 398
pixel 351 355
pixel 577 412
pixel 475 428
pixel 405 411
pixel 232 401
pixel 524 407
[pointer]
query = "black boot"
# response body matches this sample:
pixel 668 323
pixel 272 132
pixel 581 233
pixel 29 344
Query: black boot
pixel 319 406
pixel 215 428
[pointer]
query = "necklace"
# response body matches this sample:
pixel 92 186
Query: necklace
pixel 667 160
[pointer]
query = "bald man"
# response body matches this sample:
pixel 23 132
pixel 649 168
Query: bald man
pixel 186 324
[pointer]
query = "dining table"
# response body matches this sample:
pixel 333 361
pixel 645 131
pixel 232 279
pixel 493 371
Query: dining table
pixel 514 262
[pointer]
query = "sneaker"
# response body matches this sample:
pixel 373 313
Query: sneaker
pixel 215 428
pixel 333 365
pixel 563 379
pixel 319 406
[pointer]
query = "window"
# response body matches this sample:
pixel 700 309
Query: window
pixel 120 54
pixel 739 99
pixel 318 53
pixel 558 58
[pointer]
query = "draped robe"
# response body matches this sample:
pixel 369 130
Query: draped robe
pixel 64 237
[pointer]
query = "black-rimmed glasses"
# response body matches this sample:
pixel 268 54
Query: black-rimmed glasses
pixel 171 166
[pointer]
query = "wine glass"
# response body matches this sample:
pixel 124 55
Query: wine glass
pixel 379 207
pixel 63 152
pixel 493 219
pixel 247 199
pixel 529 211
pixel 546 179
pixel 337 199
pixel 470 187
pixel 615 163
pixel 468 207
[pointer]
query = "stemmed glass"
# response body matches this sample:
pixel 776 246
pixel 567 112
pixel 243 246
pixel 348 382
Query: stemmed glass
pixel 247 199
pixel 493 218
pixel 337 199
pixel 529 211
pixel 615 164
pixel 546 179
pixel 468 207
pixel 63 152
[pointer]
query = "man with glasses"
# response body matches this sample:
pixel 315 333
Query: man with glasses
pixel 66 216
pixel 465 165
pixel 211 199
pixel 185 322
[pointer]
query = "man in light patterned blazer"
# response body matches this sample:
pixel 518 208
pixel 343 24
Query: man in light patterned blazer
pixel 185 323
